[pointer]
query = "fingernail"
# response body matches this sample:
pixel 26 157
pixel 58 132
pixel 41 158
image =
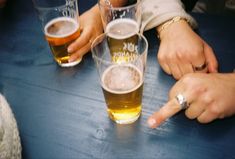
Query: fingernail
pixel 71 59
pixel 70 49
pixel 214 70
pixel 152 123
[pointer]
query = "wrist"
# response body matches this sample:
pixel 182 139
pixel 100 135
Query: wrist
pixel 161 29
pixel 96 12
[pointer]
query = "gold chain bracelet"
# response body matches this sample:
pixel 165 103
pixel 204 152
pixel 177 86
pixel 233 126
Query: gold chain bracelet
pixel 168 23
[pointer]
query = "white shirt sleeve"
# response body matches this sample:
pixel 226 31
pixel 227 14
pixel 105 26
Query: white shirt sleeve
pixel 155 12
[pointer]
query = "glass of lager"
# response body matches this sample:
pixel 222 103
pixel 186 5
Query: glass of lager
pixel 121 22
pixel 60 24
pixel 127 12
pixel 121 76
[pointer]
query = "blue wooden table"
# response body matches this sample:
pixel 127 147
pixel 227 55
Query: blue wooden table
pixel 61 111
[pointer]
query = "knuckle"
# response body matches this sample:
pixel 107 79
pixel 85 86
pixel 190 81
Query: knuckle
pixel 161 57
pixel 196 55
pixel 189 115
pixel 181 54
pixel 187 79
pixel 177 76
pixel 171 57
pixel 213 109
pixel 199 89
pixel 194 84
pixel 208 100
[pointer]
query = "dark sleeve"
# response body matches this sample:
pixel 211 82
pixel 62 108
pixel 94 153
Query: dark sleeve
pixel 189 4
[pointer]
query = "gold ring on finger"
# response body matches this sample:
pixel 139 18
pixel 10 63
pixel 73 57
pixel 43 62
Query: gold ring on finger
pixel 200 67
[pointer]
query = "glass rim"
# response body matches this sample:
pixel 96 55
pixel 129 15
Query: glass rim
pixel 41 7
pixel 49 8
pixel 96 41
pixel 119 8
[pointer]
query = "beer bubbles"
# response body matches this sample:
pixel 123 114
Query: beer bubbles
pixel 122 78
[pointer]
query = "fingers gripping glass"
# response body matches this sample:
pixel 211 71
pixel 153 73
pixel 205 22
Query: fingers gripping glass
pixel 60 24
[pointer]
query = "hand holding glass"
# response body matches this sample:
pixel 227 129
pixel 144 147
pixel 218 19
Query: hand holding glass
pixel 60 25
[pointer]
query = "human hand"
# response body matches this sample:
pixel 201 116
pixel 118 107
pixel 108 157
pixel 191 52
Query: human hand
pixel 181 50
pixel 208 96
pixel 91 25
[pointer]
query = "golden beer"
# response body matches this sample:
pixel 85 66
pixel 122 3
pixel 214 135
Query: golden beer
pixel 122 39
pixel 122 86
pixel 60 33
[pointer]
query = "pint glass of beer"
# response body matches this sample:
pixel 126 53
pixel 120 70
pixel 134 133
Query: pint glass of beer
pixel 60 25
pixel 121 78
pixel 126 11
pixel 121 22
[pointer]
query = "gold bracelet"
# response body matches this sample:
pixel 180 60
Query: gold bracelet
pixel 168 23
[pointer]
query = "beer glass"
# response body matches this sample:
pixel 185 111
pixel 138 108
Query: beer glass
pixel 121 76
pixel 121 22
pixel 60 24
pixel 116 18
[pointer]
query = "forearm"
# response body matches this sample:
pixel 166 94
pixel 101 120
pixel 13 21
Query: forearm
pixel 156 12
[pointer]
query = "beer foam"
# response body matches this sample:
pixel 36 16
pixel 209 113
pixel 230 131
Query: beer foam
pixel 59 28
pixel 121 79
pixel 122 28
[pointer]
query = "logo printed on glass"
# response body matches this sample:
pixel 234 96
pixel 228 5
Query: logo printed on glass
pixel 128 53
pixel 69 11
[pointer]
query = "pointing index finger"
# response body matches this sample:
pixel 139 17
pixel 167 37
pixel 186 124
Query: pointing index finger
pixel 168 110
